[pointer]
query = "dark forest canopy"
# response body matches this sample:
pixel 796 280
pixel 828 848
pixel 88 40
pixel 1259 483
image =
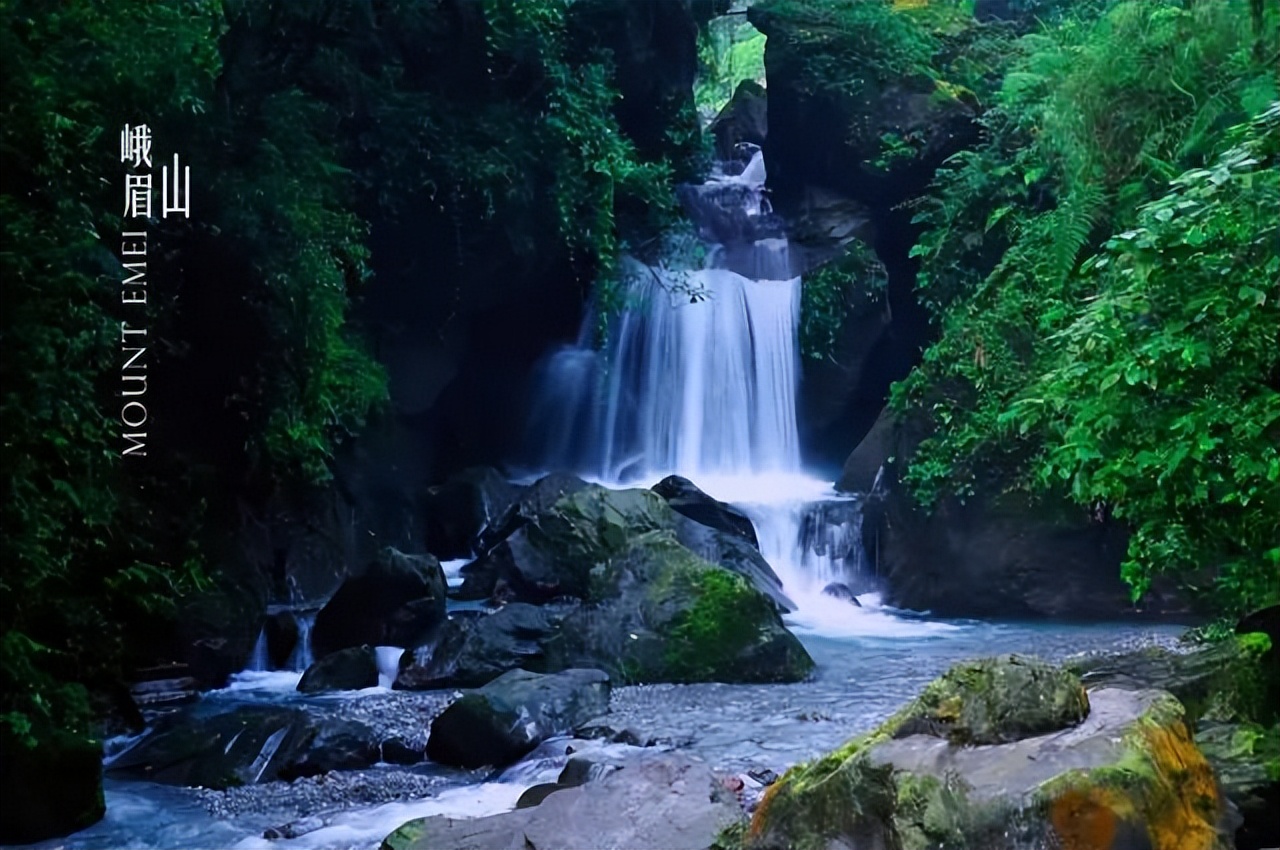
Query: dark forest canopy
pixel 1101 266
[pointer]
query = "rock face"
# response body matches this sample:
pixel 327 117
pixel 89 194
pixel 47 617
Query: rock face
pixel 397 600
pixel 604 580
pixel 50 790
pixel 248 745
pixel 511 715
pixel 347 669
pixel 986 557
pixel 1128 776
pixel 745 118
pixel 662 800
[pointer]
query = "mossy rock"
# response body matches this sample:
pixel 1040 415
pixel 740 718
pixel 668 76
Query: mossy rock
pixel 997 700
pixel 662 614
pixel 1226 681
pixel 1128 776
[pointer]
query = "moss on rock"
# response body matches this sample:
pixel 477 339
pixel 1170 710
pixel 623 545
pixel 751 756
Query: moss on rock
pixel 997 700
pixel 1132 777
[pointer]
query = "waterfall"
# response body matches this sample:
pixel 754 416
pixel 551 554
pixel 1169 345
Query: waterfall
pixel 260 661
pixel 301 658
pixel 699 376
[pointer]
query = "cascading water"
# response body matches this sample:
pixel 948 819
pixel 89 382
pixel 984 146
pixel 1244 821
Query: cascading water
pixel 699 377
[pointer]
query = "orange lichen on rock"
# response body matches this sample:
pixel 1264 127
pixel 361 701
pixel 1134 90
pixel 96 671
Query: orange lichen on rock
pixel 1085 819
pixel 1164 784
pixel 758 820
pixel 1183 809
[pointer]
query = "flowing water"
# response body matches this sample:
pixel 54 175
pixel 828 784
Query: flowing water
pixel 698 378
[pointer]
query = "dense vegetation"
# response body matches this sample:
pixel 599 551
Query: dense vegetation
pixel 1103 272
pixel 306 126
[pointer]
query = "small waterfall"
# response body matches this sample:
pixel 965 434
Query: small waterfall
pixel 388 664
pixel 260 661
pixel 302 658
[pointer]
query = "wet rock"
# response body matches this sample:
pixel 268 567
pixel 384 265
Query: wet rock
pixel 1129 775
pixel 665 800
pixel 399 751
pixel 463 507
pixel 553 551
pixel 535 499
pixel 840 590
pixel 1244 756
pixel 764 776
pixel 51 789
pixel 470 651
pixel 605 732
pixel 510 716
pixel 685 498
pixel 161 693
pixel 1221 680
pixel 397 600
pixel 577 771
pixel 734 554
pixel 293 829
pixel 349 669
pixel 651 609
pixel 282 637
pixel 247 745
pixel 335 745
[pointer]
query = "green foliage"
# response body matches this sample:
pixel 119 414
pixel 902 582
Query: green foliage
pixel 730 50
pixel 80 545
pixel 852 48
pixel 827 293
pixel 1140 383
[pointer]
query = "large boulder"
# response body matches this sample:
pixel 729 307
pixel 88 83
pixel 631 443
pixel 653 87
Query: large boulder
pixel 553 547
pixel 460 509
pixel 659 613
pixel 1129 775
pixel 533 500
pixel 685 498
pixel 667 800
pixel 653 612
pixel 397 600
pixel 250 744
pixel 472 649
pixel 51 789
pixel 511 715
pixel 347 669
